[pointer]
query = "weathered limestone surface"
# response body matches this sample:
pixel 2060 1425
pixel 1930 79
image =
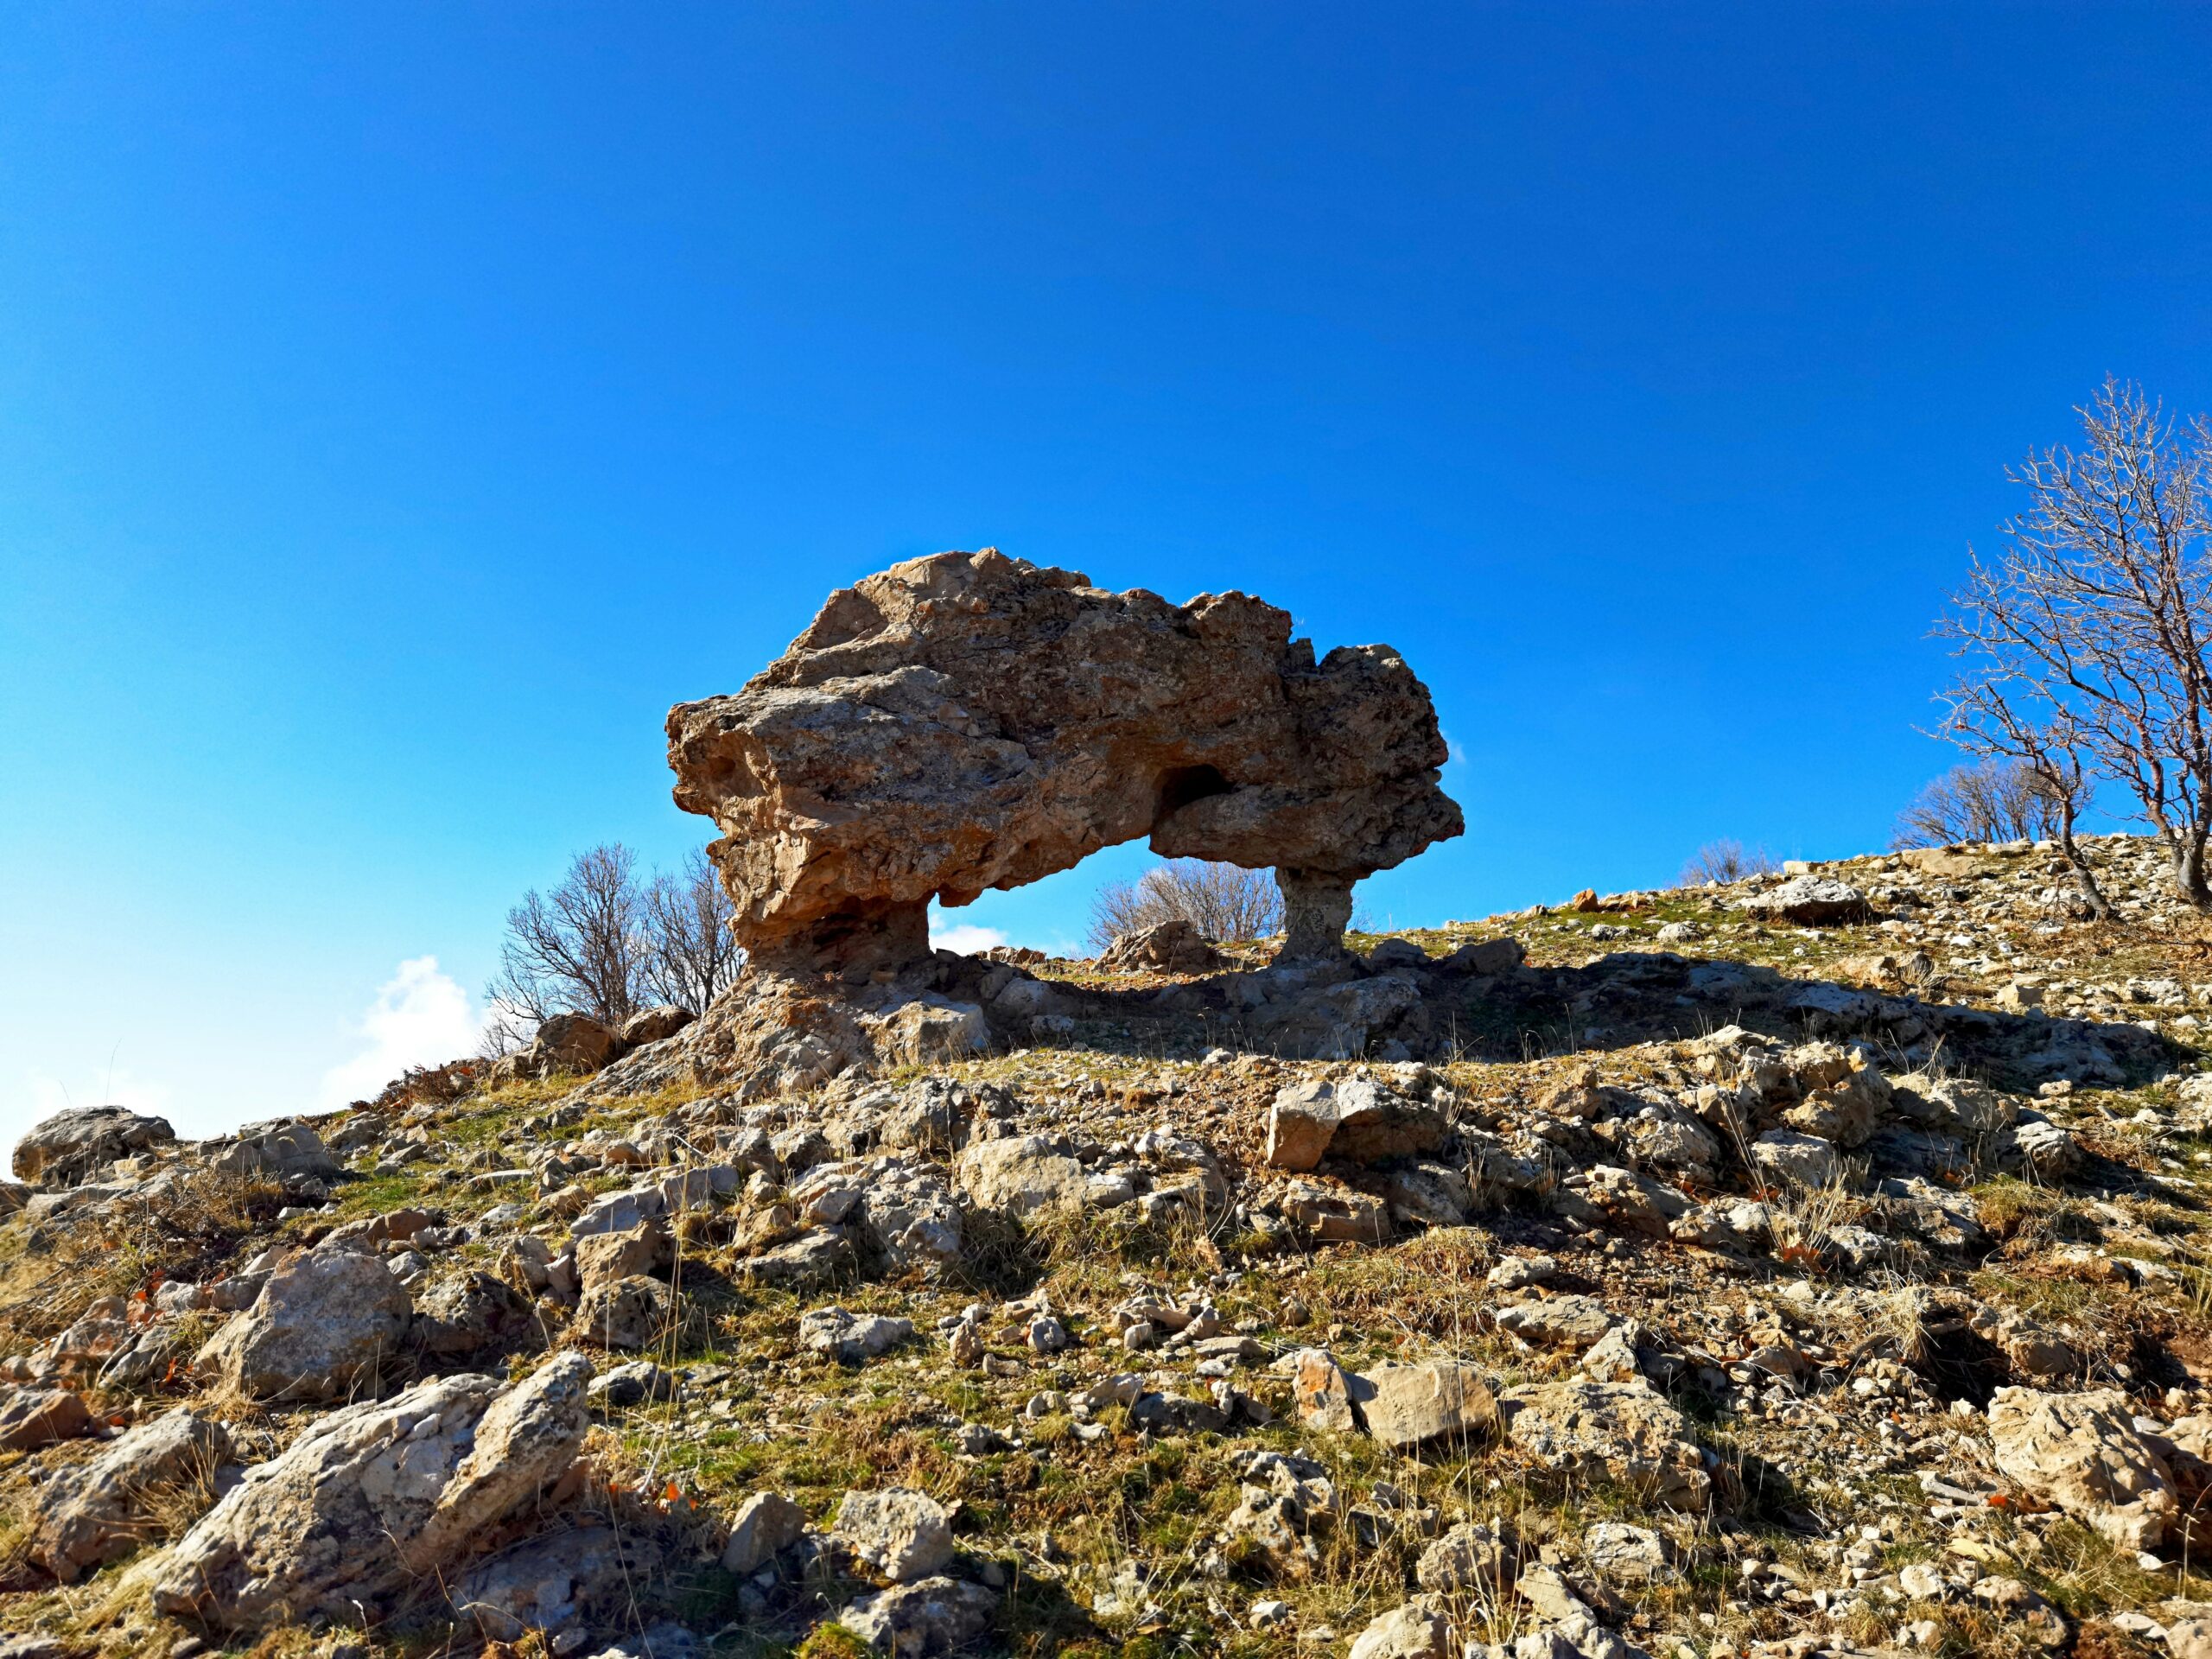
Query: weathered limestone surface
pixel 968 722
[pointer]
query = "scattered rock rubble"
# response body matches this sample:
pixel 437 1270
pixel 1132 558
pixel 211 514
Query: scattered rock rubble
pixel 1835 1286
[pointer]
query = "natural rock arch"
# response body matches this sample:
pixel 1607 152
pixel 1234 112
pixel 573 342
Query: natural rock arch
pixel 968 722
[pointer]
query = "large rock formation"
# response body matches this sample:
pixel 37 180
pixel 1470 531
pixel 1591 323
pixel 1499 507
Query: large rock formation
pixel 968 722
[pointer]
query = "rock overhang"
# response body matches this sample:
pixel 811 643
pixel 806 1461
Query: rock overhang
pixel 970 722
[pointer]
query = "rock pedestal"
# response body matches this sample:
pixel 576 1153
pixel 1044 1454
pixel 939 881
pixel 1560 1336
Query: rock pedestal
pixel 1316 910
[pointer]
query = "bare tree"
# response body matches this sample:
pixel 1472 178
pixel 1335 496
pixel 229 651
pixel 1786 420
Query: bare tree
pixel 1998 799
pixel 690 955
pixel 1725 861
pixel 2010 720
pixel 1223 901
pixel 582 947
pixel 2083 640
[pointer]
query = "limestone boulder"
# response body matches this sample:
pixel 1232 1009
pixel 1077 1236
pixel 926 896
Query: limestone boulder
pixel 35 1417
pixel 572 1042
pixel 1622 1554
pixel 70 1147
pixel 1569 1323
pixel 930 1618
pixel 1356 1119
pixel 898 1206
pixel 652 1025
pixel 1021 1174
pixel 550 1585
pixel 282 1150
pixel 1470 1556
pixel 1173 946
pixel 605 1256
pixel 321 1324
pixel 1409 1406
pixel 766 1525
pixel 900 1534
pixel 627 1313
pixel 1320 1392
pixel 1485 958
pixel 851 1338
pixel 372 1497
pixel 474 1317
pixel 928 1027
pixel 2081 1454
pixel 1809 901
pixel 968 722
pixel 90 1514
pixel 1419 1629
pixel 814 1261
pixel 1793 1160
pixel 1622 1433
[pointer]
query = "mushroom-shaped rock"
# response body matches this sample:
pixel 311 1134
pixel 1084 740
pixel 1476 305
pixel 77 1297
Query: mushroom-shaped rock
pixel 968 722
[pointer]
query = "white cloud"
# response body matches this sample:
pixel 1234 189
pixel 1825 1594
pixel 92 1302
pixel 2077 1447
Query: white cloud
pixel 966 937
pixel 421 1017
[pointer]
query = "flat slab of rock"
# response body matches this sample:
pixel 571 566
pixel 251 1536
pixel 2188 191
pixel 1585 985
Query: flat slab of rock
pixel 372 1497
pixel 1409 1406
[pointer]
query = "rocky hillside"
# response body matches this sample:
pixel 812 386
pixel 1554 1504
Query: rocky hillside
pixel 1812 1264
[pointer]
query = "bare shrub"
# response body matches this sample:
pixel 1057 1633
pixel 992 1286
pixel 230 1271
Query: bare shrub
pixel 2083 640
pixel 691 955
pixel 1995 799
pixel 1224 902
pixel 582 947
pixel 1724 861
pixel 605 943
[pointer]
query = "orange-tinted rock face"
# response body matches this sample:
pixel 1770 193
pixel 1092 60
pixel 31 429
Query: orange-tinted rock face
pixel 968 722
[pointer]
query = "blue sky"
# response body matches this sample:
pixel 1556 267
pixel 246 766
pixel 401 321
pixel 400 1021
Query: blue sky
pixel 401 406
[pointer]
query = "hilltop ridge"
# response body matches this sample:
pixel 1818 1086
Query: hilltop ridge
pixel 1814 1264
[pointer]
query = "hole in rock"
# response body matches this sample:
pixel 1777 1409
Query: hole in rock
pixel 1179 785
